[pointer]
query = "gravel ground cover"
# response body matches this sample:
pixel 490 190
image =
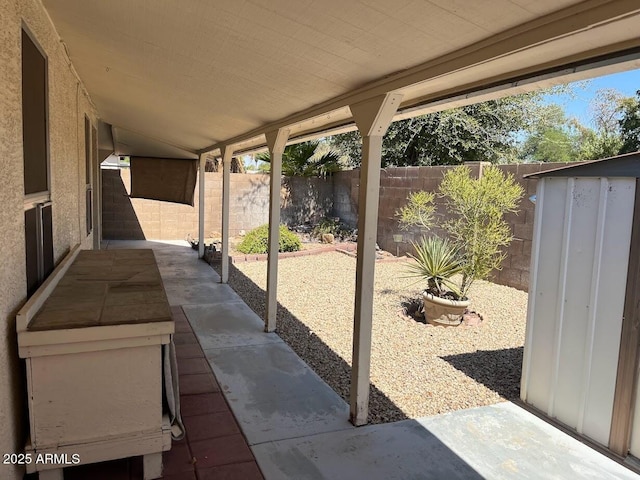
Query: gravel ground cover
pixel 416 369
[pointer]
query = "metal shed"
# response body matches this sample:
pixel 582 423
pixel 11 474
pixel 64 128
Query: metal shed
pixel 580 363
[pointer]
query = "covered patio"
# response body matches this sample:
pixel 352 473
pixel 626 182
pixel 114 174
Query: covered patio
pixel 264 413
pixel 182 80
pixel 293 75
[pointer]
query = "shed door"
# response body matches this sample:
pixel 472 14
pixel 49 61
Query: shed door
pixel 579 268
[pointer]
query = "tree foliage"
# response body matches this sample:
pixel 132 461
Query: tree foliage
pixel 553 139
pixel 520 128
pixel 614 128
pixel 551 144
pixel 486 131
pixel 307 159
pixel 605 139
pixel 213 164
pixel 630 124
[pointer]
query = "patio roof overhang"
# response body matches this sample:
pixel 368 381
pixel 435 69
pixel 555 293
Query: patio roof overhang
pixel 178 78
pixel 183 78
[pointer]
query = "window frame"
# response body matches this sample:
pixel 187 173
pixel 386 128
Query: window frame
pixel 41 200
pixel 46 194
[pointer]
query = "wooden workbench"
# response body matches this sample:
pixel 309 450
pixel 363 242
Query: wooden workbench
pixel 93 348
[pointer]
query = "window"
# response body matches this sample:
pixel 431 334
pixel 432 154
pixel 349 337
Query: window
pixel 38 218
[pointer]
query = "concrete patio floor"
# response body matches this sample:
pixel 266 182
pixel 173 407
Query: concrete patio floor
pixel 297 427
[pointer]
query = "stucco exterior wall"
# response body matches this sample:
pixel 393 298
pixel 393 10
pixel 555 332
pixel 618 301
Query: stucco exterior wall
pixel 67 107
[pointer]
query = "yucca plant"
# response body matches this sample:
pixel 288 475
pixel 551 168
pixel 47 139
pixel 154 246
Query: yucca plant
pixel 436 261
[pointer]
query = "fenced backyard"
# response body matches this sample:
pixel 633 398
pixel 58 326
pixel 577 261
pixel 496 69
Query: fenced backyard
pixel 416 369
pixel 307 200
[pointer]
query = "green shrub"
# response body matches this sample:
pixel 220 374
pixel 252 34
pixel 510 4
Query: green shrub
pixel 339 230
pixel 256 241
pixel 326 225
pixel 418 212
pixel 477 229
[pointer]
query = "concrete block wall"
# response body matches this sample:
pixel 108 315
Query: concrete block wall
pixel 119 218
pixel 345 196
pixel 397 183
pixel 395 186
pixel 515 268
pixel 249 202
pixel 302 200
pixel 137 218
pixel 311 199
pixel 306 200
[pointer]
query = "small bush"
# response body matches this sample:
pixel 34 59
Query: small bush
pixel 256 241
pixel 326 225
pixel 336 228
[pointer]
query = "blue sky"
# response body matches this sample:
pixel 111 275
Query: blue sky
pixel 626 83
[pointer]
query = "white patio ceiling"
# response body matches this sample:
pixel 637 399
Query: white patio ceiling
pixel 199 74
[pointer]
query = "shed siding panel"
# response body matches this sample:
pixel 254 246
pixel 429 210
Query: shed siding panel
pixel 609 308
pixel 577 288
pixel 546 288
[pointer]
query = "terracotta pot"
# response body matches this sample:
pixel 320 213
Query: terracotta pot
pixel 442 311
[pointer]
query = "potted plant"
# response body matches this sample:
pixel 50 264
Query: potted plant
pixel 437 261
pixel 477 232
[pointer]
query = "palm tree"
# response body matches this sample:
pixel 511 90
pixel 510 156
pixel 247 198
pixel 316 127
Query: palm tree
pixel 307 159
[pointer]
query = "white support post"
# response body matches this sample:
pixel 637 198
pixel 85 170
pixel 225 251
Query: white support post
pixel 276 142
pixel 372 118
pixel 227 154
pixel 201 204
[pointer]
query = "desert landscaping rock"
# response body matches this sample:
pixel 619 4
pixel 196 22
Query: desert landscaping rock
pixel 416 369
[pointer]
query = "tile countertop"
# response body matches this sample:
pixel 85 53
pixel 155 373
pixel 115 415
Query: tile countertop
pixel 103 288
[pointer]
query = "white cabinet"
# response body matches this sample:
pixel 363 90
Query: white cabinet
pixel 93 354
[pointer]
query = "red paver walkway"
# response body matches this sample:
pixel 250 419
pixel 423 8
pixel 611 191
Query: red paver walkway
pixel 213 448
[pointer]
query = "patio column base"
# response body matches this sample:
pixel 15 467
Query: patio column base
pixel 201 204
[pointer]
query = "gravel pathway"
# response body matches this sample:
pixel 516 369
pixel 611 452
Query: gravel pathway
pixel 416 369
